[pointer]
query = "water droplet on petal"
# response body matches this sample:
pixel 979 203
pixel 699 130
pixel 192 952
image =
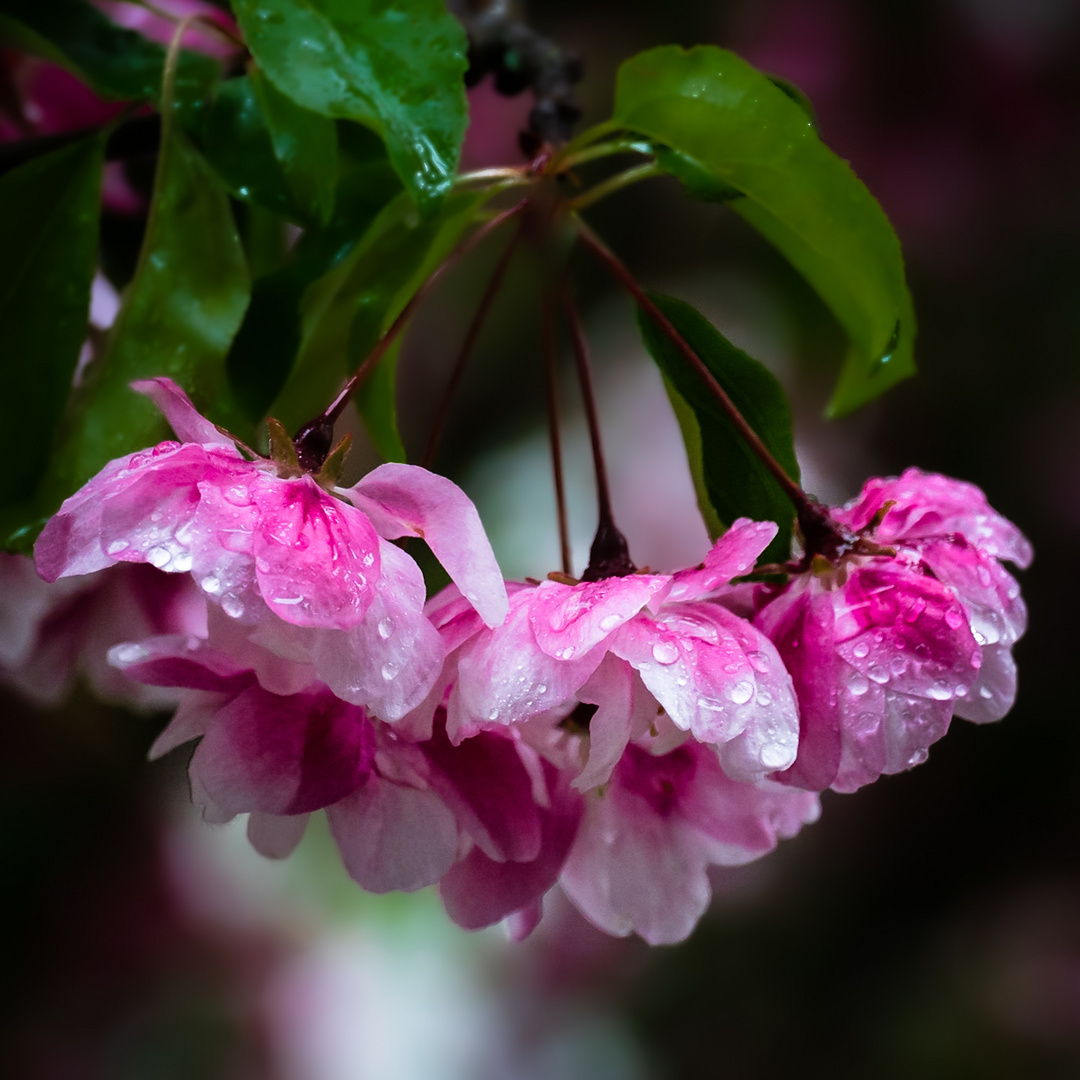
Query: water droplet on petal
pixel 954 618
pixel 758 661
pixel 939 690
pixel 232 606
pixel 386 627
pixel 741 692
pixel 117 546
pixel 665 652
pixel 211 585
pixel 494 714
pixel 861 650
pixel 159 557
pixel 389 671
pixel 764 698
pixel 858 684
pixel 541 689
pixel 985 693
pixel 918 758
pixel 609 622
pixel 878 674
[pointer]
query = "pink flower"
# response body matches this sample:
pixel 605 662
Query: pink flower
pixel 669 647
pixel 402 809
pixel 52 633
pixel 639 861
pixel 884 648
pixel 309 574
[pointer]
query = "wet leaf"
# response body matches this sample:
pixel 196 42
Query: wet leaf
pixel 396 68
pixel 271 152
pixel 116 62
pixel 49 237
pixel 178 317
pixel 729 130
pixel 730 481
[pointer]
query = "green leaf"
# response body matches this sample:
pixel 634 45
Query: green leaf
pixel 730 481
pixel 270 152
pixel 349 309
pixel 305 145
pixel 397 67
pixel 116 62
pixel 178 317
pixel 263 352
pixel 726 124
pixel 49 237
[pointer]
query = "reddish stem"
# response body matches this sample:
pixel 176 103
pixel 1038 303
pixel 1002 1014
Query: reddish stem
pixel 547 333
pixel 313 440
pixel 609 555
pixel 818 529
pixel 467 346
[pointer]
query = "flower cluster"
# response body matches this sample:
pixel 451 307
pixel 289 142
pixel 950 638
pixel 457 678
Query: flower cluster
pixel 618 736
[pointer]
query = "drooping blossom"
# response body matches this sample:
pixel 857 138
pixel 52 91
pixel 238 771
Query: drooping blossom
pixel 884 648
pixel 486 817
pixel 306 570
pixel 639 862
pixel 635 646
pixel 52 634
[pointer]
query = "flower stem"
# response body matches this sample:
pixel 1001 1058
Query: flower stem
pixel 615 183
pixel 805 506
pixel 609 555
pixel 548 340
pixel 314 439
pixel 473 332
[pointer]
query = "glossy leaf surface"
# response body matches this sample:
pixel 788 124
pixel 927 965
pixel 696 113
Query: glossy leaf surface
pixel 395 67
pixel 49 237
pixel 349 309
pixel 178 317
pixel 115 61
pixel 734 481
pixel 733 134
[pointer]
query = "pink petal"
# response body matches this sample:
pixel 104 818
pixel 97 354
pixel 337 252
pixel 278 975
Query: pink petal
pixel 479 891
pixel 994 691
pixel 720 679
pixel 283 755
pixel 733 555
pixel 485 783
pixel 275 836
pixel 188 423
pixel 504 677
pixel 930 505
pixel 316 557
pixel 391 660
pixel 393 837
pixel 405 500
pixel 568 621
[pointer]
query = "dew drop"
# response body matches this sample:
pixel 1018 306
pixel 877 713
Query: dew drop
pixel 664 652
pixel 954 619
pixel 129 654
pixel 940 690
pixel 117 546
pixel 764 698
pixel 211 585
pixel 369 558
pixel 565 654
pixel 758 661
pixel 609 622
pixel 878 674
pixel 858 684
pixel 918 758
pixel 898 665
pixel 862 650
pixel 961 690
pixel 741 692
pixel 386 627
pixel 984 577
pixel 389 671
pixel 159 557
pixel 494 714
pixel 232 606
pixel 541 689
pixel 985 693
pixel 918 606
pixel 775 757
